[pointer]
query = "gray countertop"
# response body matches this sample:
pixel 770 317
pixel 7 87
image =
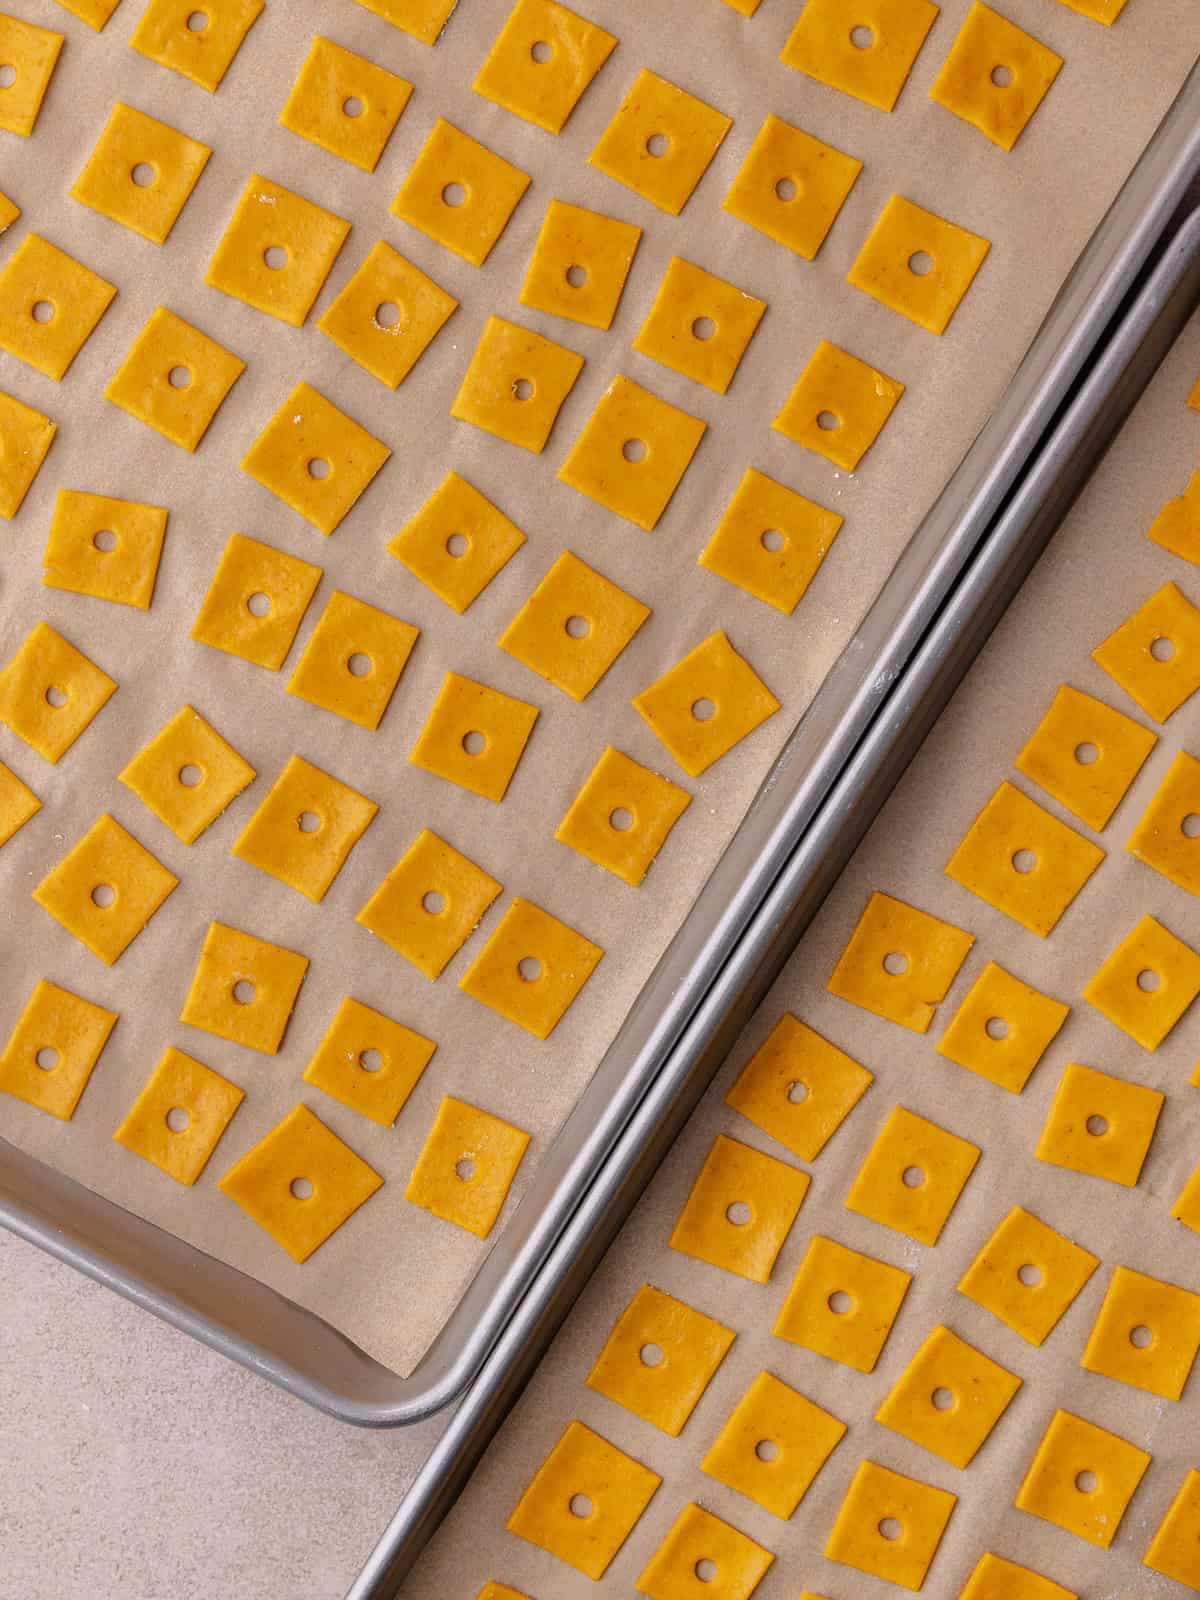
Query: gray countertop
pixel 146 1467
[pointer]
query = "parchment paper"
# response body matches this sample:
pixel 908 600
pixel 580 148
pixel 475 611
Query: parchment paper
pixel 389 1277
pixel 1097 570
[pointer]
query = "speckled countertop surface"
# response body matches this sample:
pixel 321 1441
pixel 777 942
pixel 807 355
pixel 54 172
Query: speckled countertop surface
pixel 142 1466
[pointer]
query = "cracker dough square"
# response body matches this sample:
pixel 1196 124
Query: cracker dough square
pixel 244 989
pixel 33 54
pixel 1105 11
pixel 792 186
pixel 773 1446
pixel 50 692
pixel 18 804
pixel 315 458
pixel 1028 1275
pixel 422 19
pixel 1100 1125
pixel 899 962
pixel 842 1304
pixel 187 775
pixel 1019 858
pixel 457 542
pixel 659 1359
pixel 300 1183
pixel 105 548
pixel 94 12
pixel 256 601
pixel 174 379
pixel 345 103
pixel 912 1176
pixel 1147 1334
pixel 740 1211
pixel 542 62
pixel 531 969
pixel 622 816
pixel 695 1537
pixel 50 305
pixel 1073 1450
pixel 105 889
pixel 353 660
pixel 660 142
pixel 305 828
pixel 949 1398
pixel 516 384
pixel 918 264
pixel 573 627
pixel 474 736
pixel 1186 1208
pixel 459 193
pixel 1086 755
pixel 1177 526
pixel 608 1490
pixel 868 55
pixel 387 316
pixel 633 452
pixel 996 75
pixel 839 406
pixel 429 904
pixel 1167 836
pixel 994 1578
pixel 771 541
pixel 1002 1029
pixel 276 251
pixel 798 1088
pixel 1147 983
pixel 878 1496
pixel 204 53
pixel 467 1166
pixel 25 438
pixel 178 1119
pixel 53 1049
pixel 140 173
pixel 699 325
pixel 9 212
pixel 1175 1548
pixel 579 264
pixel 706 704
pixel 369 1062
pixel 1155 654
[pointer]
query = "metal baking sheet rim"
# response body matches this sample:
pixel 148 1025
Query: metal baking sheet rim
pixel 306 1356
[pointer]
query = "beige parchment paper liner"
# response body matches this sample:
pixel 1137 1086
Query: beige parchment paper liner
pixel 389 1278
pixel 1097 570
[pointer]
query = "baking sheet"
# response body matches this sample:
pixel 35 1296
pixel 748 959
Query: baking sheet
pixel 1038 207
pixel 1098 568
